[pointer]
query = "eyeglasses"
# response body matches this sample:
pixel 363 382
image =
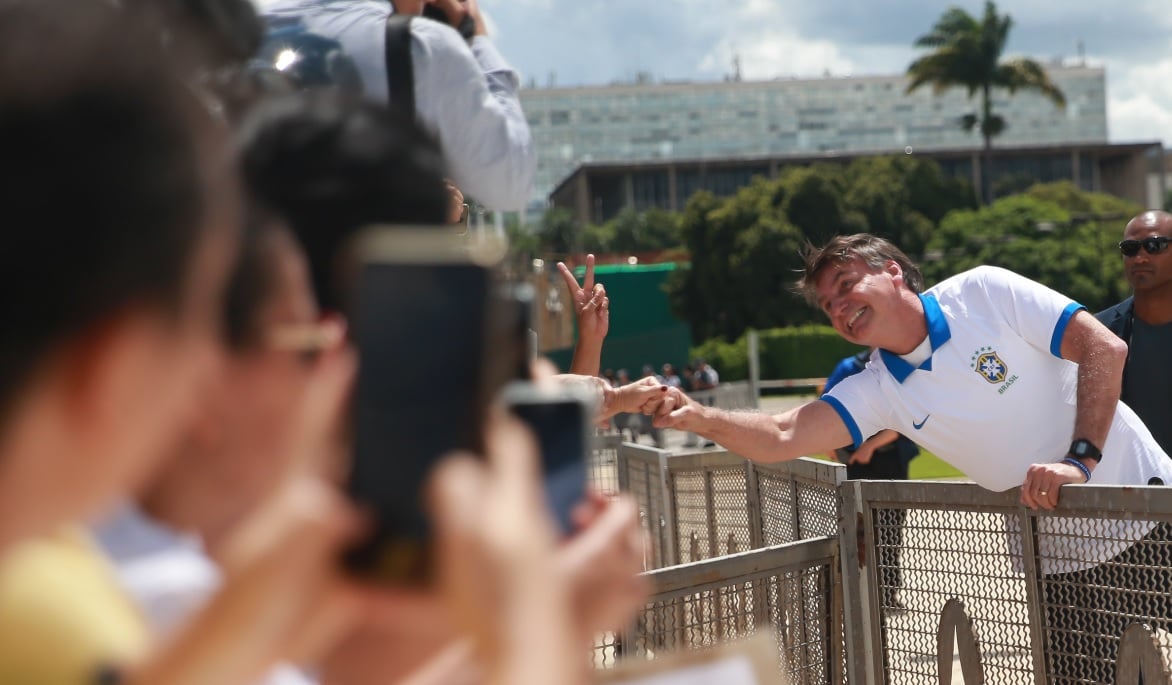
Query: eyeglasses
pixel 1152 245
pixel 308 341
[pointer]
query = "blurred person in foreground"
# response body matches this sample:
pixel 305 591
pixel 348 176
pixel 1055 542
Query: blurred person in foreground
pixel 332 164
pixel 463 90
pixel 1144 322
pixel 329 165
pixel 165 544
pixel 112 334
pixel 1004 378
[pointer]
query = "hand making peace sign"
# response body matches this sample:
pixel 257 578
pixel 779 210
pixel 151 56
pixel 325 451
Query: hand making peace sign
pixel 591 305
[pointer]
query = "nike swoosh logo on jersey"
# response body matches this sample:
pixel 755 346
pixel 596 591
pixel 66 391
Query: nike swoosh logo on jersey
pixel 920 425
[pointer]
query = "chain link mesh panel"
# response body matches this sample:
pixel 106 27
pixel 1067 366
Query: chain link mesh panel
pixel 922 558
pixel 799 500
pixel 644 481
pixel 794 601
pixel 1049 594
pixel 1085 608
pixel 712 512
pixel 602 467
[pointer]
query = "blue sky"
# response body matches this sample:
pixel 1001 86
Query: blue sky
pixel 571 42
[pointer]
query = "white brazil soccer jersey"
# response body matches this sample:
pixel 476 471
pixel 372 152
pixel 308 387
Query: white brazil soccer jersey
pixel 994 396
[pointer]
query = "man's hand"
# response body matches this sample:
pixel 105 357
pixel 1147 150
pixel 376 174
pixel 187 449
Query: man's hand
pixel 678 411
pixel 641 397
pixel 456 207
pixel 862 455
pixel 1042 482
pixel 456 10
pixel 591 305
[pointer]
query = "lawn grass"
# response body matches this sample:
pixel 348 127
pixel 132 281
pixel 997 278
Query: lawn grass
pixel 928 466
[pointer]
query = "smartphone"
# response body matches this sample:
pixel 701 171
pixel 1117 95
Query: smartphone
pixel 422 310
pixel 561 418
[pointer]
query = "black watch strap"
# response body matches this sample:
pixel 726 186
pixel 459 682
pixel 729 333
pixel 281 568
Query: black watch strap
pixel 1085 449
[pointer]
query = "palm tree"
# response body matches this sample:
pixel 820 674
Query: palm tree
pixel 966 53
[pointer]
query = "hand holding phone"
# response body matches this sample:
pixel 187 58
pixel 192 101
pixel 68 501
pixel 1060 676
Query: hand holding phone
pixel 561 418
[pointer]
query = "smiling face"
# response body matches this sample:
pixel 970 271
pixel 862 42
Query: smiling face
pixel 1148 272
pixel 858 298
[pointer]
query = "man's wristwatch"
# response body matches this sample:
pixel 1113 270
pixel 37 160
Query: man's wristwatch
pixel 1085 449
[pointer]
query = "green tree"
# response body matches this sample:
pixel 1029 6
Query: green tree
pixel 966 53
pixel 744 252
pixel 523 247
pixel 902 198
pixel 558 235
pixel 1054 233
pixel 634 231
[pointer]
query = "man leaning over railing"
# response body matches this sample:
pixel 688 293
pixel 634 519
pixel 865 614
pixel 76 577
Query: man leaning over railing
pixel 1007 380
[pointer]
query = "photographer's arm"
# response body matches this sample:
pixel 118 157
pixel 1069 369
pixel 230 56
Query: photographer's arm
pixel 469 96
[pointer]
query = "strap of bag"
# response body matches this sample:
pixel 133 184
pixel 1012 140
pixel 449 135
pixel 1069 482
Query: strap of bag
pixel 400 74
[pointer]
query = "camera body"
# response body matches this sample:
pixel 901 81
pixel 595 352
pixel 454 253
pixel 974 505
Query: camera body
pixel 466 27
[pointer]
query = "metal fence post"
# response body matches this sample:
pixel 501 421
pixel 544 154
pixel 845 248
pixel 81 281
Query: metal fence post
pixel 861 648
pixel 754 367
pixel 755 513
pixel 671 555
pixel 1029 561
pixel 710 514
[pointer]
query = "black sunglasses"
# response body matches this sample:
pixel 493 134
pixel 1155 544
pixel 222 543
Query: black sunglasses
pixel 1153 245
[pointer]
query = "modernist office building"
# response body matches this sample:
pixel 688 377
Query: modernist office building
pixel 718 135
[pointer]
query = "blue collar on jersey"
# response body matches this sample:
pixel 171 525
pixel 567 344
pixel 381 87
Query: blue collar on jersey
pixel 938 334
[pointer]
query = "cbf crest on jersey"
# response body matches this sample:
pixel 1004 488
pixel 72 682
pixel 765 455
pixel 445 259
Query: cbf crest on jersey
pixel 986 362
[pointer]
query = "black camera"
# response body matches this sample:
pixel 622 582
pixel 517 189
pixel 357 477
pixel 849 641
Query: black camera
pixel 466 27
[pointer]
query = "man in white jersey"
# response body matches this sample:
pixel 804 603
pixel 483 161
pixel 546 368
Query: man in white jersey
pixel 1007 380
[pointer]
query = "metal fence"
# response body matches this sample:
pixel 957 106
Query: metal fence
pixel 1026 597
pixel 790 590
pixel 602 467
pixel 936 578
pixel 704 505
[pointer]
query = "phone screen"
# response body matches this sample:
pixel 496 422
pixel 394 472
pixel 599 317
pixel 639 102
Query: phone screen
pixel 562 434
pixel 421 334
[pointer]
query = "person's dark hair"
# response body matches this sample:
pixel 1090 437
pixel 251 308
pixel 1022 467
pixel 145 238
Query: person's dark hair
pixel 329 165
pixel 231 31
pixel 874 251
pixel 100 180
pixel 253 279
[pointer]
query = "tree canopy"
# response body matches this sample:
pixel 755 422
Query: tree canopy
pixel 746 250
pixel 966 53
pixel 1054 233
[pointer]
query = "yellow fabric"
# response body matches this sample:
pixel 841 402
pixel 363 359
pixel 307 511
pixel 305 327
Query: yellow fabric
pixel 62 615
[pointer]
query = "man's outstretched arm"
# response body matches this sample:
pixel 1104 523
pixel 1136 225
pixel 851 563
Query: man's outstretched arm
pixel 811 428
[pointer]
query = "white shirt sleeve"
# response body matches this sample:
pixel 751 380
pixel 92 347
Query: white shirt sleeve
pixel 860 403
pixel 1037 313
pixel 468 97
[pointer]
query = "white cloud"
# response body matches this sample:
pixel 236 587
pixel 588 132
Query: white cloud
pixel 601 41
pixel 1137 110
pixel 769 55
